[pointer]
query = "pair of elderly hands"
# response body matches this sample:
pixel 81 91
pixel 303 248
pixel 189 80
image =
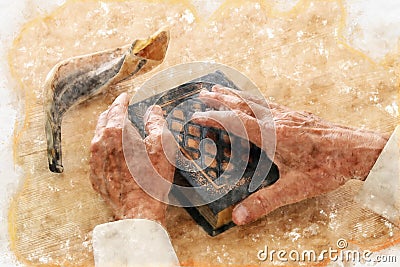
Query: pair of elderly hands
pixel 313 156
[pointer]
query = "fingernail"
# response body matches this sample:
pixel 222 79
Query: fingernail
pixel 216 87
pixel 197 117
pixel 156 109
pixel 241 215
pixel 203 92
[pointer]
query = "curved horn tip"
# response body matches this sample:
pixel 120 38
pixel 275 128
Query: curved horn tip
pixel 56 168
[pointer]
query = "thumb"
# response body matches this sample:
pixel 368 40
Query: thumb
pixel 290 188
pixel 154 120
pixel 255 206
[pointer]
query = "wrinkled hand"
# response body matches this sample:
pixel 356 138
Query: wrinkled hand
pixel 313 156
pixel 109 172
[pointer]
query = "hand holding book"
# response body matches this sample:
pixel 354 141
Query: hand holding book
pixel 313 156
pixel 109 173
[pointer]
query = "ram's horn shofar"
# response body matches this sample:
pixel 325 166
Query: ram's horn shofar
pixel 77 79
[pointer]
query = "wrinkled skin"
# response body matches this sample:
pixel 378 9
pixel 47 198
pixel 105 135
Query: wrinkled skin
pixel 313 156
pixel 109 173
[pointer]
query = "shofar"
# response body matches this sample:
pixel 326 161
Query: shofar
pixel 77 79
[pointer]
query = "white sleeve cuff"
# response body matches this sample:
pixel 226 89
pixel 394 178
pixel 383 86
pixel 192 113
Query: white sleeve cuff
pixel 132 242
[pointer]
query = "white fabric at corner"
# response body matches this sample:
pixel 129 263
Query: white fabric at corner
pixel 132 242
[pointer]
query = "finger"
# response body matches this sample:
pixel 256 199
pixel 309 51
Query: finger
pixel 117 111
pixel 97 152
pixel 242 94
pixel 235 121
pixel 112 117
pixel 293 186
pixel 108 120
pixel 96 168
pixel 225 102
pixel 285 191
pixel 160 143
pixel 96 162
pixel 101 124
pixel 235 102
pixel 302 119
pixel 262 101
pixel 251 98
pixel 281 114
pixel 105 116
pixel 154 120
pixel 161 151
